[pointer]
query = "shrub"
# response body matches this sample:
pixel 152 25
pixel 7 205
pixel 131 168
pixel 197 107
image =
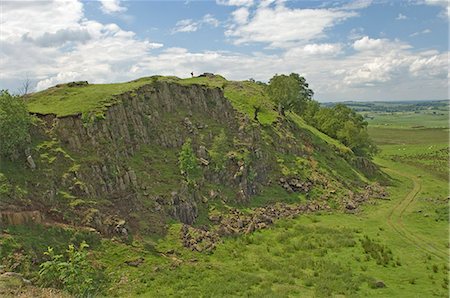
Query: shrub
pixel 71 272
pixel 188 163
pixel 14 124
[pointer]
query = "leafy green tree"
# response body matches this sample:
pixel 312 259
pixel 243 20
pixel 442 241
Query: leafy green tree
pixel 72 272
pixel 289 92
pixel 344 124
pixel 14 124
pixel 188 163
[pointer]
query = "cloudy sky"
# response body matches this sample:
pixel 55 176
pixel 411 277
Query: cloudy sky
pixel 347 50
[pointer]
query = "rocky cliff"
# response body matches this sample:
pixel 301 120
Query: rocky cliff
pixel 118 171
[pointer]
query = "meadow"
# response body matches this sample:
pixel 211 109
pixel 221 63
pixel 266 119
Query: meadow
pixel 390 248
pixel 394 247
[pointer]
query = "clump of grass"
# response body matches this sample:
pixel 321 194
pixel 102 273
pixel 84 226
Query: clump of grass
pixel 380 253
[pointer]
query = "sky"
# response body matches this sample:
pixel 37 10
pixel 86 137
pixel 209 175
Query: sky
pixel 347 50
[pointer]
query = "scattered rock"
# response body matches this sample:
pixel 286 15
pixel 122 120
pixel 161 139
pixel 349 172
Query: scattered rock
pixel 135 263
pixel 350 205
pixel 31 162
pixel 204 161
pixel 295 185
pixel 188 124
pixel 207 75
pixel 78 84
pixel 379 284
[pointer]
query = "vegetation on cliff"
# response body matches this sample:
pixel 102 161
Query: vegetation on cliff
pixel 14 124
pixel 132 162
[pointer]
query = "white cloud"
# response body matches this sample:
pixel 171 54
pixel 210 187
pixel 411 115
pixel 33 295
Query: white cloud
pixel 189 25
pixel 386 61
pixel 357 4
pixel 112 6
pixel 401 17
pixel 442 3
pixel 373 44
pixel 59 78
pixel 356 33
pixel 53 42
pixel 368 44
pixel 59 38
pixel 325 49
pixel 186 25
pixel 241 15
pixel 235 2
pixel 393 71
pixel 210 20
pixel 426 31
pixel 281 26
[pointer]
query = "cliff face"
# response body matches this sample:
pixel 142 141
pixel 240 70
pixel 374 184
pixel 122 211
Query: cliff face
pixel 119 172
pixel 129 158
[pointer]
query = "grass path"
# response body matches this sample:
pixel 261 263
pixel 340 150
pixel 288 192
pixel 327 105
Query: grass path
pixel 395 219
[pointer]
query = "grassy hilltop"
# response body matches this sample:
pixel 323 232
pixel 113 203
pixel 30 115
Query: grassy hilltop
pixel 271 207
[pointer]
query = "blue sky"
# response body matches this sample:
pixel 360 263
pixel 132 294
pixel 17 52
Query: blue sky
pixel 347 50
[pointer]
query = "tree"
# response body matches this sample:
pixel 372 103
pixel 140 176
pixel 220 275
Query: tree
pixel 289 92
pixel 14 124
pixel 188 163
pixel 25 87
pixel 347 126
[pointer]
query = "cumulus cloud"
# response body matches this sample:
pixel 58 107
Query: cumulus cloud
pixel 373 44
pixel 189 25
pixel 442 3
pixel 112 6
pixel 280 26
pixel 383 61
pixel 368 44
pixel 76 48
pixel 325 49
pixel 59 37
pixel 357 4
pixel 235 2
pixel 241 15
pixel 54 41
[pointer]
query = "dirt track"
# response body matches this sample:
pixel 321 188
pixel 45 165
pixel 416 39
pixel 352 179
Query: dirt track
pixel 395 220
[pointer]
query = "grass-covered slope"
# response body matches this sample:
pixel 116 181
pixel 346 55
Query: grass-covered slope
pixel 64 100
pixel 120 171
pixel 139 135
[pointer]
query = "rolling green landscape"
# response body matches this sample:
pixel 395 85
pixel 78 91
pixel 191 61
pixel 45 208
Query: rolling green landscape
pixel 310 214
pixel 224 148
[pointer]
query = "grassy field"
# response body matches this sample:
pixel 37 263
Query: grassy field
pixel 390 248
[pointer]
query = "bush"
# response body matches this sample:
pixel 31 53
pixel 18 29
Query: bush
pixel 72 272
pixel 14 124
pixel 188 163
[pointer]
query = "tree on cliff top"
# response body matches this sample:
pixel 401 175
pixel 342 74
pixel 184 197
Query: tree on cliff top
pixel 14 124
pixel 290 93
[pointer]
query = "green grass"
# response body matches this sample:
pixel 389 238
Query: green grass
pixel 92 98
pixel 425 118
pixel 392 136
pixel 244 96
pixel 157 167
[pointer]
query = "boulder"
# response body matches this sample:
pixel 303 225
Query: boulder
pixel 135 263
pixel 31 162
pixel 350 205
